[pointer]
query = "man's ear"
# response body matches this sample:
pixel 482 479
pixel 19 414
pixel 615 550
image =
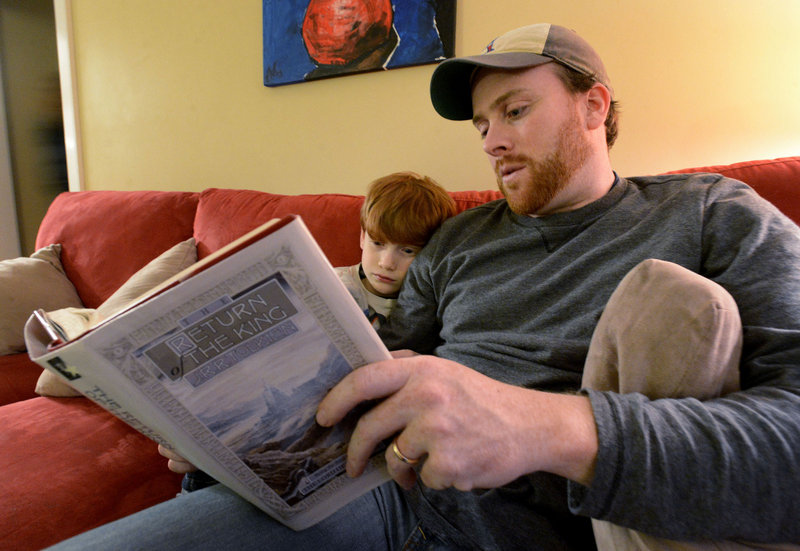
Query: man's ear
pixel 598 102
pixel 362 238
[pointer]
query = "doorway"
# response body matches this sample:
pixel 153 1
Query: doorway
pixel 33 158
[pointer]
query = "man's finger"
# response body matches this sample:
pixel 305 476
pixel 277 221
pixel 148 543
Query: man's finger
pixel 375 426
pixel 403 474
pixel 369 382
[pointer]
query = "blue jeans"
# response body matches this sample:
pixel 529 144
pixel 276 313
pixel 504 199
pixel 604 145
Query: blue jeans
pixel 216 518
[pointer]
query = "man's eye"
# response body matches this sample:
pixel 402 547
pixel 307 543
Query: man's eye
pixel 516 112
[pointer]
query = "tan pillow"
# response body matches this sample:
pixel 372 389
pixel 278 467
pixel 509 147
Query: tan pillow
pixel 27 284
pixel 74 320
pixel 163 267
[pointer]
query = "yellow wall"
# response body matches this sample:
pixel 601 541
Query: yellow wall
pixel 170 95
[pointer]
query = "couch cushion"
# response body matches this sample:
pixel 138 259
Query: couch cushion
pixel 468 199
pixel 108 235
pixel 777 180
pixel 18 376
pixel 225 214
pixel 70 466
pixel 27 284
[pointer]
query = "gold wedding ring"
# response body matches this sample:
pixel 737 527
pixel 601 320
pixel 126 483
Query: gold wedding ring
pixel 399 455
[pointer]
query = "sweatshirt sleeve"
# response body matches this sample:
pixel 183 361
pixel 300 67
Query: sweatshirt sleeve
pixel 413 323
pixel 727 468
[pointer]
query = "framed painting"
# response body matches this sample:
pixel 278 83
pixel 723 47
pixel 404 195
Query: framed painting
pixel 312 39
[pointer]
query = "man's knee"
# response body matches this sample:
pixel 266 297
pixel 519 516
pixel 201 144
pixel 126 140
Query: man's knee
pixel 666 332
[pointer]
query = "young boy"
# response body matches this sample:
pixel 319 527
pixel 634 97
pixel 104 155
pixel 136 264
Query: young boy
pixel 400 213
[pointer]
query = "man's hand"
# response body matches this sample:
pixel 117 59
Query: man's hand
pixel 176 463
pixel 468 430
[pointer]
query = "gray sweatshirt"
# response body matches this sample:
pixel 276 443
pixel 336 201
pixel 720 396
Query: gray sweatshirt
pixel 517 298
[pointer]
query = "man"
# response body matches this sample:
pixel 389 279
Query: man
pixel 514 290
pixel 493 446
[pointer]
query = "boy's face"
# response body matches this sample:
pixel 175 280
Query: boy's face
pixel 385 264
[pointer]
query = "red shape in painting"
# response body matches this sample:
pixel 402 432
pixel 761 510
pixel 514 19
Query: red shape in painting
pixel 340 32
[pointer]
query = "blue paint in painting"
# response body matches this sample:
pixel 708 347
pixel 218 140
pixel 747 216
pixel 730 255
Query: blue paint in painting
pixel 415 22
pixel 286 59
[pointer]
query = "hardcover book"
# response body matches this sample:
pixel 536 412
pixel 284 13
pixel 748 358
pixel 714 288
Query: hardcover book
pixel 226 363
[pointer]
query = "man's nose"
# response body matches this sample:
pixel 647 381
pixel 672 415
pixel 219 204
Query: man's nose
pixel 496 141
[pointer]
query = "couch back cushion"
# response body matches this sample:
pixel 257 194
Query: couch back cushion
pixel 107 236
pixel 225 214
pixel 333 219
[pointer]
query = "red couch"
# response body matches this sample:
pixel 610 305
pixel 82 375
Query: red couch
pixel 66 464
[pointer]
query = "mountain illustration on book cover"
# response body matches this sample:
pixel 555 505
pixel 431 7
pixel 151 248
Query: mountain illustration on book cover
pixel 266 416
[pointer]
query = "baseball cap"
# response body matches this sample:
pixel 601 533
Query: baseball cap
pixel 451 83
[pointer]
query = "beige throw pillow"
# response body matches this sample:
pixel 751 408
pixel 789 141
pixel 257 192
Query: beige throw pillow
pixel 27 284
pixel 74 320
pixel 158 270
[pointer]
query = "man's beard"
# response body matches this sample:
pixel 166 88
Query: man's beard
pixel 549 176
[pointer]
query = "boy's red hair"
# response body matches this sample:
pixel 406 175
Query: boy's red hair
pixel 405 208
